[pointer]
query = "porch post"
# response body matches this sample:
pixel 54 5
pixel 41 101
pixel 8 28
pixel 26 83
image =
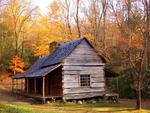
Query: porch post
pixel 44 89
pixel 12 85
pixel 16 85
pixel 27 85
pixel 34 85
pixel 22 84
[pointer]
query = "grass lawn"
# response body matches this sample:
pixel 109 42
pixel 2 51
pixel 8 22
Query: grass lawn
pixel 67 108
pixel 10 103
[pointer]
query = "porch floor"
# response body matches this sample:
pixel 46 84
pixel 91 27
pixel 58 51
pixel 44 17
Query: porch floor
pixel 37 96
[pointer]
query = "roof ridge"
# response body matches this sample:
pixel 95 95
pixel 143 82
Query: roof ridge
pixel 74 48
pixel 62 52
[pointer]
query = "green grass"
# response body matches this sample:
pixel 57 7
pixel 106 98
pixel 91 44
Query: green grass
pixel 9 108
pixel 67 108
pixel 13 109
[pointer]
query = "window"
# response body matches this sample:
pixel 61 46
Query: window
pixel 84 80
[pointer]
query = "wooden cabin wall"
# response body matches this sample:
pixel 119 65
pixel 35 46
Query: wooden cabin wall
pixel 83 60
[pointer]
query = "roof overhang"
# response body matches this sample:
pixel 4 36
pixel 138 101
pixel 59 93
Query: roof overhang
pixel 39 73
pixel 110 73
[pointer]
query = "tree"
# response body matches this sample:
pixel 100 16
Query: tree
pixel 65 6
pixel 17 65
pixel 133 54
pixel 6 40
pixel 19 14
pixel 77 18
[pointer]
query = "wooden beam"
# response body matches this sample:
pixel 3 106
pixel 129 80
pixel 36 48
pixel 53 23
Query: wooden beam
pixel 34 85
pixel 43 89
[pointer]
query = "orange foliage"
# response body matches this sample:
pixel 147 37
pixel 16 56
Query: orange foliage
pixel 17 65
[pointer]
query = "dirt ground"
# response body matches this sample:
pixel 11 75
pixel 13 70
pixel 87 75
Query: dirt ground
pixel 132 102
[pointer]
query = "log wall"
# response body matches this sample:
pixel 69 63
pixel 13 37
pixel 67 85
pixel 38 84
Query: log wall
pixel 83 60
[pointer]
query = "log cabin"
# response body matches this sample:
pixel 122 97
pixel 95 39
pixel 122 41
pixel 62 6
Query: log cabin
pixel 74 70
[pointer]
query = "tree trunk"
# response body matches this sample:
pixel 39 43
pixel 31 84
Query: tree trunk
pixel 16 43
pixel 22 49
pixel 138 94
pixel 77 19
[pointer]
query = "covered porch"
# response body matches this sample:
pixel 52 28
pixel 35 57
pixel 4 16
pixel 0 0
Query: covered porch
pixel 40 87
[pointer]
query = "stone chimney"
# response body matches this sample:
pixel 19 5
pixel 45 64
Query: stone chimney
pixel 53 46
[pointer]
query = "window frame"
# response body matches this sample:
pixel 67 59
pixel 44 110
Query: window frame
pixel 89 80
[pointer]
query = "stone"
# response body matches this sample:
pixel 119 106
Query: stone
pixel 94 102
pixel 48 102
pixel 79 102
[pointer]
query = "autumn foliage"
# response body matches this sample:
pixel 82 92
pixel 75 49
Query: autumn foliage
pixel 118 29
pixel 17 65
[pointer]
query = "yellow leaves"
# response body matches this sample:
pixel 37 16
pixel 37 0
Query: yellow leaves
pixel 17 65
pixel 44 21
pixel 54 7
pixel 89 36
pixel 43 33
pixel 41 50
pixel 55 11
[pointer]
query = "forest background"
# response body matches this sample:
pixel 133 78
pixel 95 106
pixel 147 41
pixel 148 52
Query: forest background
pixel 118 29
